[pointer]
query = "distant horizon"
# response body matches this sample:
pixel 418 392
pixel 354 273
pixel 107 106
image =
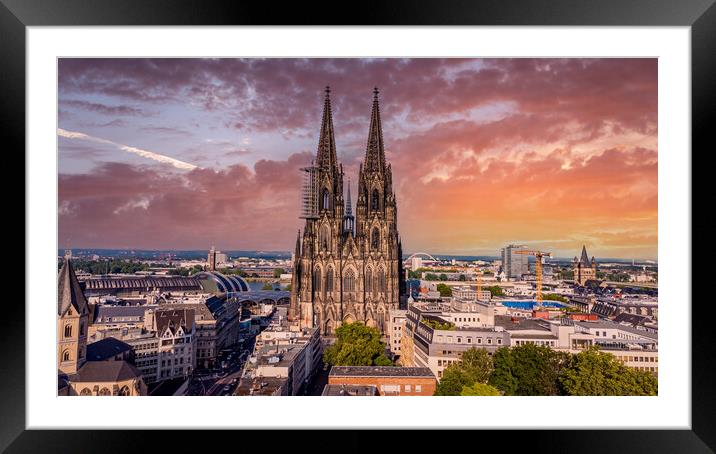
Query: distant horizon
pixel 405 254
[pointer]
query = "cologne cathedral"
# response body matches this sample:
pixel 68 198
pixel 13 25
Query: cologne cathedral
pixel 347 268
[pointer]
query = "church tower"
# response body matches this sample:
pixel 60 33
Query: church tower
pixel 72 321
pixel 347 269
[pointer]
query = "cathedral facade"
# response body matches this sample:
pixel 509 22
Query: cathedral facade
pixel 347 268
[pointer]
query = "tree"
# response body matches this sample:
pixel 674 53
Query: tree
pixel 288 288
pixel 495 290
pixel 475 366
pixel 431 277
pixel 443 277
pixel 444 289
pixel 267 286
pixel 596 373
pixel 462 278
pixel 278 272
pixel 527 370
pixel 480 389
pixel 357 345
pixel 553 297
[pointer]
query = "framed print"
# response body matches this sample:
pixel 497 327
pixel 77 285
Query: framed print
pixel 461 216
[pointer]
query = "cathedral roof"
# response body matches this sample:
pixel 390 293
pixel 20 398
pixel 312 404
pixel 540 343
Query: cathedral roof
pixel 69 292
pixel 105 371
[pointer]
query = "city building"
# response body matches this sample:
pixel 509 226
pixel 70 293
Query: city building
pixel 584 269
pixel 387 380
pixel 175 332
pixel 436 334
pixel 396 325
pixel 78 374
pixel 514 265
pixel 284 360
pixel 347 270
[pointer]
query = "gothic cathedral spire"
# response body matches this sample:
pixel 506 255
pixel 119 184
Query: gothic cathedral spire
pixel 326 156
pixel 374 153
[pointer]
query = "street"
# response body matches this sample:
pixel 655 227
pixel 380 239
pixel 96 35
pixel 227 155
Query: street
pixel 222 381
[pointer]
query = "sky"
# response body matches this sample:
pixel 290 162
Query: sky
pixel 190 153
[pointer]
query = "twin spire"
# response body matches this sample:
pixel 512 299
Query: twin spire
pixel 327 141
pixel 375 153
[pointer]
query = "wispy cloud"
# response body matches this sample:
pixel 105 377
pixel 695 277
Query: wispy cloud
pixel 138 151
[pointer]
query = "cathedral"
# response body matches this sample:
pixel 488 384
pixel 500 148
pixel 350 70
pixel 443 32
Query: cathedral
pixel 584 269
pixel 347 268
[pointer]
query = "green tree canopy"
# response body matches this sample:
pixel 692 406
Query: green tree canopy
pixel 554 297
pixel 596 373
pixel 444 289
pixel 527 370
pixel 443 277
pixel 480 389
pixel 475 366
pixel 278 272
pixel 267 286
pixel 357 345
pixel 431 277
pixel 495 290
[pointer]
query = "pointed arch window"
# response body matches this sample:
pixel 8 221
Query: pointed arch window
pixel 325 199
pixel 325 238
pixel 369 281
pixel 317 280
pixel 375 239
pixel 66 355
pixel 85 392
pixel 349 281
pixel 68 330
pixel 375 201
pixel 329 279
pixel 381 280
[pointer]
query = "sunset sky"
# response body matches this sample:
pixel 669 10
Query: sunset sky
pixel 190 153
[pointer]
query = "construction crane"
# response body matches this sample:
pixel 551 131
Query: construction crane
pixel 538 268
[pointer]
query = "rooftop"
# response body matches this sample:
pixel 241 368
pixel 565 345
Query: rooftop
pixel 105 371
pixel 379 371
pixel 106 348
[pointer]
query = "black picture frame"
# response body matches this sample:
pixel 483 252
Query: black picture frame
pixel 16 15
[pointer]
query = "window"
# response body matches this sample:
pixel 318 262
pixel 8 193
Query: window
pixel 418 388
pixel 329 279
pixel 381 280
pixel 369 280
pixel 375 239
pixel 390 388
pixel 317 280
pixel 325 238
pixel 349 281
pixel 374 201
pixel 85 392
pixel 325 200
pixel 68 330
pixel 82 328
pixel 66 355
pixel 124 391
pixel 104 392
pixel 407 388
